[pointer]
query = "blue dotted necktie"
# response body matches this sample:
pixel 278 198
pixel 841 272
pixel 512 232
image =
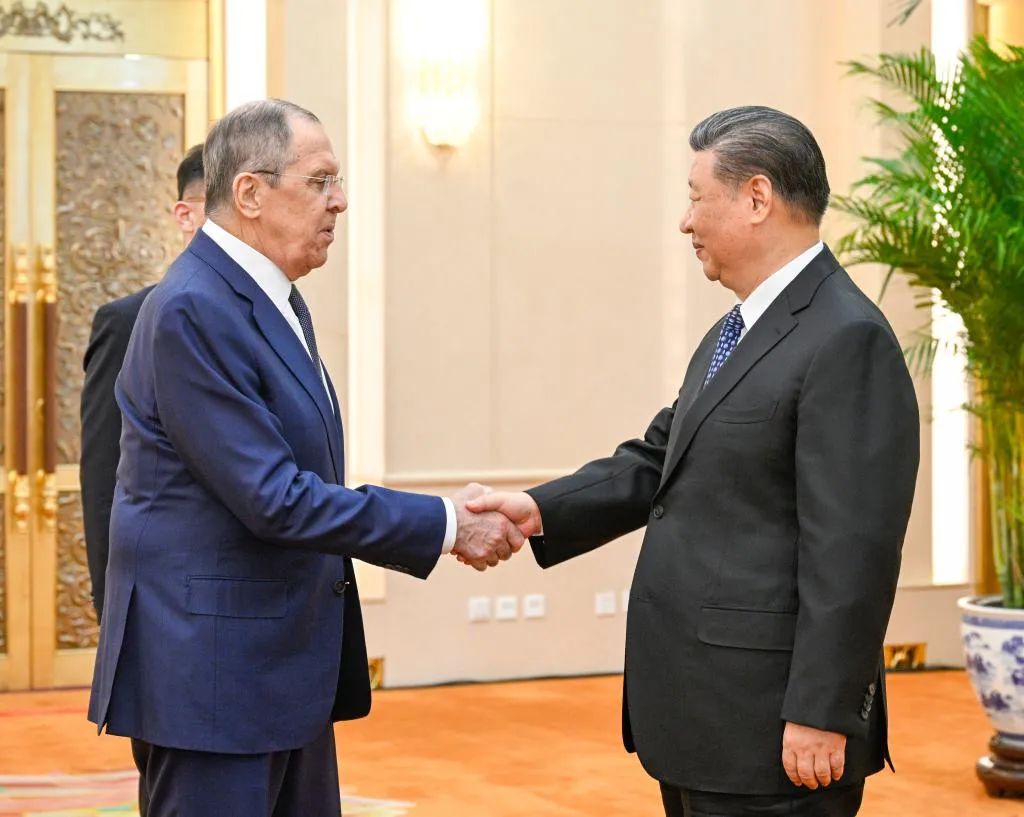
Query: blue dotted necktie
pixel 306 322
pixel 727 340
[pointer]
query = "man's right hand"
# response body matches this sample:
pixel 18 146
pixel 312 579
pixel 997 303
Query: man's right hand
pixel 519 508
pixel 812 757
pixel 483 538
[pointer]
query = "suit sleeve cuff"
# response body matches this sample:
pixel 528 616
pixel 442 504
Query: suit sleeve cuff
pixel 450 528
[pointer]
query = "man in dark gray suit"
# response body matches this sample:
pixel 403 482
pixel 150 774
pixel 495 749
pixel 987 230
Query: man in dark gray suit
pixel 101 418
pixel 776 492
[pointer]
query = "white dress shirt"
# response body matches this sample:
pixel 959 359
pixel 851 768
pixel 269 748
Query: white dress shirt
pixel 275 284
pixel 771 287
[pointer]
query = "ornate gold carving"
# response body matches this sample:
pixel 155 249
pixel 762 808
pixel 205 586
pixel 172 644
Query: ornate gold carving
pixel 903 656
pixel 47 291
pixel 61 23
pixel 21 280
pixel 48 492
pixel 117 155
pixel 376 669
pixel 76 619
pixel 20 490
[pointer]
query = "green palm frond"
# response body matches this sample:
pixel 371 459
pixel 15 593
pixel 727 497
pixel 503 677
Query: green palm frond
pixel 947 213
pixel 905 9
pixel 924 348
pixel 913 74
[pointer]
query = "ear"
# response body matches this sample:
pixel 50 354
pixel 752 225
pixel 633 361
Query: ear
pixel 247 190
pixel 183 217
pixel 762 197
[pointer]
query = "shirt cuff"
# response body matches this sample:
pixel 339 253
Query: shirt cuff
pixel 451 527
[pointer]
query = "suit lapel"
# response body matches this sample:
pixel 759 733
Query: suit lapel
pixel 691 384
pixel 777 322
pixel 276 330
pixel 282 339
pixel 338 427
pixel 770 328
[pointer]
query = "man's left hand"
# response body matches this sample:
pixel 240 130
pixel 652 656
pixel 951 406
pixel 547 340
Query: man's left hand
pixel 812 756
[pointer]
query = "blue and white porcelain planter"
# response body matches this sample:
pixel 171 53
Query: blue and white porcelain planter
pixel 993 640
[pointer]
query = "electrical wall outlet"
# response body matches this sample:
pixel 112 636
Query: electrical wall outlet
pixel 604 603
pixel 534 605
pixel 625 600
pixel 479 608
pixel 506 608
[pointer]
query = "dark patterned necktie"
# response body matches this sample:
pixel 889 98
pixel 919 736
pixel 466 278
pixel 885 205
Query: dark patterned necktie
pixel 306 322
pixel 727 340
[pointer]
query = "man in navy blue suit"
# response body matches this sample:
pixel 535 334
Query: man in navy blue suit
pixel 232 637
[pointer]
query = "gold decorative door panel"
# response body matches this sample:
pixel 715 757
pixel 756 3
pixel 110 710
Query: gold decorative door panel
pixel 113 236
pixel 15 541
pixel 97 171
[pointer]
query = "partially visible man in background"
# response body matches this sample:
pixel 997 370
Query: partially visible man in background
pixel 101 418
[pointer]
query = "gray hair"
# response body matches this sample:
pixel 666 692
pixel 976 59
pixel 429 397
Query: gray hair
pixel 252 137
pixel 754 140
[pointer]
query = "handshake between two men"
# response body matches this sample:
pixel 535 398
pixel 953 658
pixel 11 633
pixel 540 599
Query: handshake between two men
pixel 492 525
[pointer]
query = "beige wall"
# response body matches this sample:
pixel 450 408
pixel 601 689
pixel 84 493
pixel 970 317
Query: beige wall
pixel 1005 21
pixel 523 303
pixel 306 44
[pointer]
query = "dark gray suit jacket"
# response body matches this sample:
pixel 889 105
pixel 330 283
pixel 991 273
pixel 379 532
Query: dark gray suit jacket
pixel 776 501
pixel 101 429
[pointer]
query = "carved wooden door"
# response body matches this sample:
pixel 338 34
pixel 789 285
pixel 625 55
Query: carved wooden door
pixel 90 144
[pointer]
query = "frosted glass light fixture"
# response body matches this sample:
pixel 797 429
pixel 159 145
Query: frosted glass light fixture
pixel 445 41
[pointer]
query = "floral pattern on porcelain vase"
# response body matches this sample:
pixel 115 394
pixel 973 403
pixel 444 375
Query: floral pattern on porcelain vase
pixel 993 641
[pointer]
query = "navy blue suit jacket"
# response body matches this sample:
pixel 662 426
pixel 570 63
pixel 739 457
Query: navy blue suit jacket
pixel 231 621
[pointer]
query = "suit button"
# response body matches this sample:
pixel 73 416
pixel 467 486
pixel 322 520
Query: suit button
pixel 872 687
pixel 339 587
pixel 864 712
pixel 659 511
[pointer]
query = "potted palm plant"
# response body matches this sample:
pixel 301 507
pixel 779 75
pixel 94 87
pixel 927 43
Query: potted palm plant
pixel 948 213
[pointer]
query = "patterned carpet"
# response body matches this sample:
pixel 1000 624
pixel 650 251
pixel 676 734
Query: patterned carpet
pixel 113 793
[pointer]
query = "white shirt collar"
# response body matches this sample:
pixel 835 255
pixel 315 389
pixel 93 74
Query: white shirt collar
pixel 263 271
pixel 771 287
pixel 268 277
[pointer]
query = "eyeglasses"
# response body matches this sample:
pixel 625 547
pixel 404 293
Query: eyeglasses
pixel 327 182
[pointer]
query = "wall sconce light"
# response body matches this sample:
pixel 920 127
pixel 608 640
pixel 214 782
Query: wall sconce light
pixel 447 109
pixel 446 40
